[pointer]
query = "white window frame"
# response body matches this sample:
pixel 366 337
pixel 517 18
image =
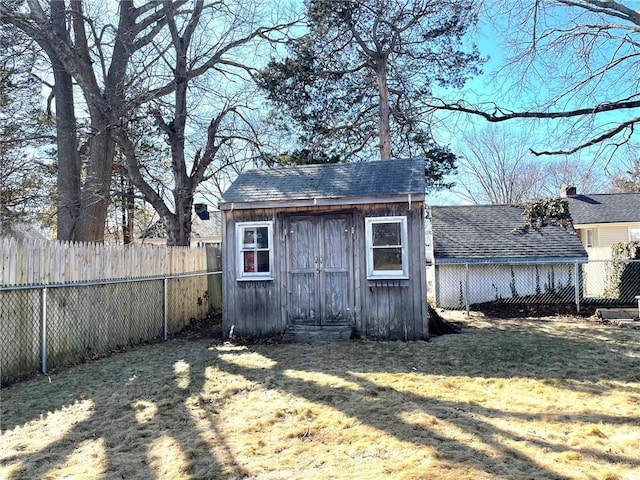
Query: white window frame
pixel 634 232
pixel 240 249
pixel 590 232
pixel 373 274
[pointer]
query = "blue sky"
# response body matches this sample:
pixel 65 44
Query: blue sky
pixel 495 86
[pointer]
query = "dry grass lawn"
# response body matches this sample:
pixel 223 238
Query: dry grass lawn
pixel 529 399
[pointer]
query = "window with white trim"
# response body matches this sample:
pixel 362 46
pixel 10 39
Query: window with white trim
pixel 386 239
pixel 634 234
pixel 590 236
pixel 255 250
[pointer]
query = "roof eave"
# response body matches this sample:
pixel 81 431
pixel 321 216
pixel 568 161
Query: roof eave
pixel 323 201
pixel 604 223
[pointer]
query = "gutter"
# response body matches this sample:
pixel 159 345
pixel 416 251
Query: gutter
pixel 509 261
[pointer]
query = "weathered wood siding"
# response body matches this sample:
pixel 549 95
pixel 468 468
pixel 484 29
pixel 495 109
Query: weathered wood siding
pixel 393 309
pixel 386 309
pixel 251 308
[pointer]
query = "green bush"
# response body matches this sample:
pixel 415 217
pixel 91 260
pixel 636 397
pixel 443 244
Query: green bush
pixel 623 282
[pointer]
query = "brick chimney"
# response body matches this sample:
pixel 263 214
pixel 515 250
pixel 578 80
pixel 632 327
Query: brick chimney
pixel 567 191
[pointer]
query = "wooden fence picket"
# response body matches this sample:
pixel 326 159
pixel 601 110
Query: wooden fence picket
pixel 24 262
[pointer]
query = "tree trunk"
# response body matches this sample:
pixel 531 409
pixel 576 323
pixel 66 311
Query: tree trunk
pixel 95 191
pixel 384 129
pixel 68 174
pixel 178 226
pixel 127 207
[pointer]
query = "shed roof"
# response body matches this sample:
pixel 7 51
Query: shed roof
pixel 604 208
pixel 324 183
pixel 496 233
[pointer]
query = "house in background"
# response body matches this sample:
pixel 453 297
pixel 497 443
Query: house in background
pixel 601 220
pixel 326 247
pixel 22 231
pixel 604 219
pixel 484 253
pixel 206 228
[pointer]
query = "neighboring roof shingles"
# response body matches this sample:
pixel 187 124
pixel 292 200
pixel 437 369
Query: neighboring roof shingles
pixel 333 180
pixel 604 208
pixel 496 233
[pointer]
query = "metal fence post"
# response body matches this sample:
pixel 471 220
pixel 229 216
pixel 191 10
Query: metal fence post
pixel 165 309
pixel 466 286
pixel 577 284
pixel 43 329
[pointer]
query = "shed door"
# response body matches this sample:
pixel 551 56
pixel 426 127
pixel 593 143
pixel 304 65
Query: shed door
pixel 319 265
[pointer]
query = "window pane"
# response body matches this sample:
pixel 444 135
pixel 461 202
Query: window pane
pixel 386 234
pixel 263 261
pixel 634 234
pixel 262 237
pixel 249 238
pixel 590 237
pixel 387 259
pixel 249 261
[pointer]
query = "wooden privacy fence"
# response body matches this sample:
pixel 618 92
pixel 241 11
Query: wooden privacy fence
pixel 62 302
pixel 28 262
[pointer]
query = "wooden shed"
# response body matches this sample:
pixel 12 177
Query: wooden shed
pixel 326 246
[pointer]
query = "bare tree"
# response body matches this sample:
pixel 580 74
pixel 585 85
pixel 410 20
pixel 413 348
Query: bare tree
pixel 120 67
pixel 94 55
pixel 627 178
pixel 190 55
pixel 587 175
pixel 496 167
pixel 572 61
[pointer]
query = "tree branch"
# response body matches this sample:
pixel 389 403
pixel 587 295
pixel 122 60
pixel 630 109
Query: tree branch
pixel 594 141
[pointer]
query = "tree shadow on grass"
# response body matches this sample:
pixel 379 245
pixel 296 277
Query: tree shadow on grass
pixel 138 416
pixel 374 409
pixel 533 355
pixel 118 384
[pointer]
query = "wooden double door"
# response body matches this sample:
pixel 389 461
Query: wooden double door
pixel 320 270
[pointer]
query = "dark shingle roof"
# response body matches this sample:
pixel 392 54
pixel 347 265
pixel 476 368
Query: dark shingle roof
pixel 334 180
pixel 496 233
pixel 604 208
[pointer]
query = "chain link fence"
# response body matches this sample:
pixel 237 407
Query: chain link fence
pixel 460 286
pixel 44 327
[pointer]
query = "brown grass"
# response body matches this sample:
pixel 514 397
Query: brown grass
pixel 505 399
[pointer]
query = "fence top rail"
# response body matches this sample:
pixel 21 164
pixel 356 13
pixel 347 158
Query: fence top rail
pixel 112 281
pixel 618 260
pixel 511 262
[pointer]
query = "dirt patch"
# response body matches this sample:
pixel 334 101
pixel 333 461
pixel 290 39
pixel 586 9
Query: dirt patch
pixel 206 328
pixel 509 310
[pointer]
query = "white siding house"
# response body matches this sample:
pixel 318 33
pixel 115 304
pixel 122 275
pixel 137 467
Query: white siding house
pixel 602 220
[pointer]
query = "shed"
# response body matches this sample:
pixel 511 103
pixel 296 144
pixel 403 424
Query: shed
pixel 324 246
pixel 484 253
